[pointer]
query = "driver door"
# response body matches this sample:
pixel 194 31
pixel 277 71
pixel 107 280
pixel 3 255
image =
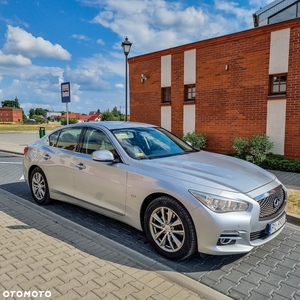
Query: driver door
pixel 99 183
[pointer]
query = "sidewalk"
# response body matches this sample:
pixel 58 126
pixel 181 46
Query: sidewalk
pixel 44 254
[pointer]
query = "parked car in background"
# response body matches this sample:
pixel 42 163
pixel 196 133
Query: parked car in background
pixel 185 200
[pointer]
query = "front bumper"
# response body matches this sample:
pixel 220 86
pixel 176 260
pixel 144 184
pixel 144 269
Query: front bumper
pixel 236 232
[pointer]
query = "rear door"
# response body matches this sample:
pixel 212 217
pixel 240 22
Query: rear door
pixel 58 160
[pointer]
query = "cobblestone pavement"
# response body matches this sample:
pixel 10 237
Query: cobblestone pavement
pixel 268 272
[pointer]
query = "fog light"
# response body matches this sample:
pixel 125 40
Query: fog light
pixel 225 241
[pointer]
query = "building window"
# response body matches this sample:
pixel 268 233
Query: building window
pixel 278 84
pixel 190 92
pixel 166 94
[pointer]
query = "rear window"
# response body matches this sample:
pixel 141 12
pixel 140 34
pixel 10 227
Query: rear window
pixel 67 139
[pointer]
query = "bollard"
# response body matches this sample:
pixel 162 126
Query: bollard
pixel 42 131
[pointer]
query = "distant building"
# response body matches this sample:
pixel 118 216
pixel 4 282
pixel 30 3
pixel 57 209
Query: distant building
pixel 10 114
pixel 52 114
pixel 84 118
pixel 277 11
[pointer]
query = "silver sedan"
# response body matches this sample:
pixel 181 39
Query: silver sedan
pixel 185 200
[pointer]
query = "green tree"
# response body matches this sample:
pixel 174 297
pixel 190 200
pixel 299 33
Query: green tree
pixel 71 121
pixel 31 113
pixel 39 111
pixel 24 116
pixel 11 103
pixel 114 115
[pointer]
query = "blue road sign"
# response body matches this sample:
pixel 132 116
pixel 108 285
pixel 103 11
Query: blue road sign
pixel 65 92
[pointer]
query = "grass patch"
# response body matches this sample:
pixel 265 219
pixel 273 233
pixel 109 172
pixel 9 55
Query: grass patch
pixel 293 205
pixel 27 127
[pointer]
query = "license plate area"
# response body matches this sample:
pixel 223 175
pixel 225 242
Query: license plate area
pixel 276 225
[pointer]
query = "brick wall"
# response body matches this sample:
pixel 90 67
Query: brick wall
pixel 8 114
pixel 229 103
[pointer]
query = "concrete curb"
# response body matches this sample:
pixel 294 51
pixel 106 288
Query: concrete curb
pixel 148 263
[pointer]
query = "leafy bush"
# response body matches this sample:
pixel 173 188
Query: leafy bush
pixel 279 163
pixel 254 150
pixel 241 146
pixel 71 121
pixel 197 140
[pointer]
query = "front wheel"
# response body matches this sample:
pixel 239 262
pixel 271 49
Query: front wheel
pixel 170 229
pixel 39 187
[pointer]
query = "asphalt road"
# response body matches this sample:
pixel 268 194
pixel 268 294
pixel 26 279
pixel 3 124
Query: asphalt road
pixel 268 272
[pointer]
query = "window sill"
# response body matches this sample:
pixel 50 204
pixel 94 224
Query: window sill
pixel 189 101
pixel 165 103
pixel 277 96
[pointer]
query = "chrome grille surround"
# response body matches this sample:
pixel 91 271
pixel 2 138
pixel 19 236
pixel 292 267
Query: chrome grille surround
pixel 272 203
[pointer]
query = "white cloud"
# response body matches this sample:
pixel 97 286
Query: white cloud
pixel 163 24
pixel 13 60
pixel 100 42
pixel 80 37
pixel 19 41
pixel 119 86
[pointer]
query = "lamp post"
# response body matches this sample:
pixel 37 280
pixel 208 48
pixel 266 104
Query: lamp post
pixel 126 45
pixel 121 110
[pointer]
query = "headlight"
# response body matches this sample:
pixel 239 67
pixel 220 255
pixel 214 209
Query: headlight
pixel 220 204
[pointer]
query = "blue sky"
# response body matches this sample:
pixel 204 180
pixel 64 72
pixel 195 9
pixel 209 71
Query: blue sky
pixel 46 42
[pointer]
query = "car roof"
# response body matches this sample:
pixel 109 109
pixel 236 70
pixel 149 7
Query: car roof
pixel 112 124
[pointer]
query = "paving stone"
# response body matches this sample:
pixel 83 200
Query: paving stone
pixel 285 290
pixel 234 276
pixel 237 294
pixel 254 295
pixel 224 285
pixel 244 268
pixel 265 288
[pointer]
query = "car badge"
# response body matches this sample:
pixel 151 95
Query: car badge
pixel 276 202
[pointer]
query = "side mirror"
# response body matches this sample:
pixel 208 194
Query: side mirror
pixel 103 155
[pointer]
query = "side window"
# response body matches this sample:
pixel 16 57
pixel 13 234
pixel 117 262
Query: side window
pixel 278 84
pixel 53 138
pixel 68 139
pixel 190 92
pixel 94 140
pixel 166 95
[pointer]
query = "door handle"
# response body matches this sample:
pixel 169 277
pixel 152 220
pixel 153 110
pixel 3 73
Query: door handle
pixel 80 166
pixel 46 156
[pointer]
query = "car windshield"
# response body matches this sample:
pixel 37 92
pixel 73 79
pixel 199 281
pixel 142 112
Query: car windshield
pixel 151 142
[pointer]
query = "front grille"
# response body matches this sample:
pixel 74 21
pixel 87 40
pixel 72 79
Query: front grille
pixel 272 204
pixel 258 235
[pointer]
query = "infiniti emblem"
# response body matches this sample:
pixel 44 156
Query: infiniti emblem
pixel 275 202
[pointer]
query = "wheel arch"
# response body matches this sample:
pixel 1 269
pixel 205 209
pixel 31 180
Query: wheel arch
pixel 31 170
pixel 152 197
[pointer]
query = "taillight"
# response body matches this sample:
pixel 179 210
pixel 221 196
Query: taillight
pixel 26 149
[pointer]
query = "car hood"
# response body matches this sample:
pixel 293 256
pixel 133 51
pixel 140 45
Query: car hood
pixel 212 170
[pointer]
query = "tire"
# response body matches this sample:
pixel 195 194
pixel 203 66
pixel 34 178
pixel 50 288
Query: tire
pixel 39 187
pixel 174 241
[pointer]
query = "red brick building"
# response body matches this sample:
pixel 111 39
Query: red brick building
pixel 226 87
pixel 9 114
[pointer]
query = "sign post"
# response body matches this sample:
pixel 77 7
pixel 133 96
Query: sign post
pixel 66 96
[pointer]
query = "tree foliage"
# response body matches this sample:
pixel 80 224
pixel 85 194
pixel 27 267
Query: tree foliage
pixel 114 115
pixel 11 103
pixel 71 121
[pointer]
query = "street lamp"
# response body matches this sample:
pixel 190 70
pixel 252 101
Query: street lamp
pixel 121 110
pixel 126 45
